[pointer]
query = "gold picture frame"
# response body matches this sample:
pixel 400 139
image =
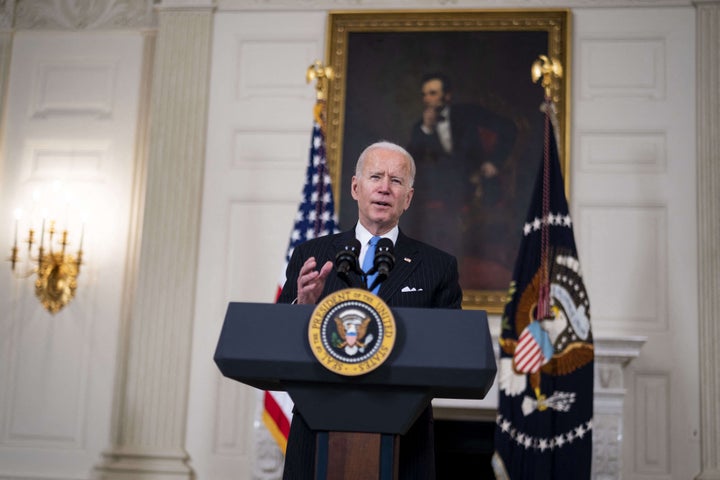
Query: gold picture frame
pixel 379 59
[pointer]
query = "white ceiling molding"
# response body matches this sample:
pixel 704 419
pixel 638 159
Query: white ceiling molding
pixel 71 15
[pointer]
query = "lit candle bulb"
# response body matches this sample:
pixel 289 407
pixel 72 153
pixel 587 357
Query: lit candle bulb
pixel 18 214
pixel 35 209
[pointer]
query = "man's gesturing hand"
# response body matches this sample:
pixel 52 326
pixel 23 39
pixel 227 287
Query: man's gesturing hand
pixel 310 282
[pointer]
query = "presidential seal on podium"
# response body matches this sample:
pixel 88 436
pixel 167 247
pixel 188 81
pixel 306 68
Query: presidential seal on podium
pixel 352 332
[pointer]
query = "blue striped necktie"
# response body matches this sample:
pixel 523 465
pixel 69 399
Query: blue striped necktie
pixel 368 263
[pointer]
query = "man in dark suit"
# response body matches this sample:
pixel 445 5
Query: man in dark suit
pixel 423 276
pixel 460 150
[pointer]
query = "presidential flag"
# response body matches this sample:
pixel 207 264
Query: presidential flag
pixel 545 373
pixel 315 217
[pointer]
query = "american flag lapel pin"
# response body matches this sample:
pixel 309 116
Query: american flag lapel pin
pixel 407 260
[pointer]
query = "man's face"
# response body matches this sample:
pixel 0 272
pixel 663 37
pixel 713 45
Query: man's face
pixel 382 190
pixel 433 94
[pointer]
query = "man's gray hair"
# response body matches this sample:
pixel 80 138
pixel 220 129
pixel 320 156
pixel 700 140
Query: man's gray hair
pixel 385 145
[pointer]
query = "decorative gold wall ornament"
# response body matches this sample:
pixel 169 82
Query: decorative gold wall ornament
pixel 550 70
pixel 321 73
pixel 57 270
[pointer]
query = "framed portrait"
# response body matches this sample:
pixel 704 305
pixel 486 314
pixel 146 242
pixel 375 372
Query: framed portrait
pixel 395 70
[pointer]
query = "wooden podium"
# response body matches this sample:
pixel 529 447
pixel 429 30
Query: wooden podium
pixel 437 353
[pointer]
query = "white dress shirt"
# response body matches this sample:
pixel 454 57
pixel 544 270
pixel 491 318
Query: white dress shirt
pixel 364 236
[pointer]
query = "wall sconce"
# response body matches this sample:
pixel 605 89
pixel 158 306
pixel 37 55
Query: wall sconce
pixel 56 269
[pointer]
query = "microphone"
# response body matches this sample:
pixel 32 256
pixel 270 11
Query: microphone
pixel 383 262
pixel 346 261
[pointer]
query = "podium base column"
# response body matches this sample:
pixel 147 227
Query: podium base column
pixel 357 456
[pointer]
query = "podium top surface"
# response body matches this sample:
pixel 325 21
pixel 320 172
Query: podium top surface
pixel 438 352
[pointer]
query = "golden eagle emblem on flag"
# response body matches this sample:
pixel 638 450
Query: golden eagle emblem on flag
pixel 556 345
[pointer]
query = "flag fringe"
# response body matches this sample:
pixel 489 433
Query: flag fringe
pixel 276 433
pixel 499 467
pixel 275 421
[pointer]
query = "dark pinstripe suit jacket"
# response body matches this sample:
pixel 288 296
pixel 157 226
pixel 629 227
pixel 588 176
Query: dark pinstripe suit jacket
pixel 431 275
pixel 432 272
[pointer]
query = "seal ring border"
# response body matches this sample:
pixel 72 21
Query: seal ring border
pixel 319 319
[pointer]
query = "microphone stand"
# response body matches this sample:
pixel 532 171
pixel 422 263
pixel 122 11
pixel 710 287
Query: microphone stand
pixel 349 280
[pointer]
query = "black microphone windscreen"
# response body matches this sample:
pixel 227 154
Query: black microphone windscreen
pixel 385 245
pixel 346 260
pixel 354 245
pixel 384 257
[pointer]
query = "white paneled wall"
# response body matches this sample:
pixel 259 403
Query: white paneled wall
pixel 633 199
pixel 634 239
pixel 71 116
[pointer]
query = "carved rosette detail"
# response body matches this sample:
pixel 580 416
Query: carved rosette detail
pixel 606 446
pixel 269 460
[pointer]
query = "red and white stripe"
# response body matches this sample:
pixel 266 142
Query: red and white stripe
pixel 528 355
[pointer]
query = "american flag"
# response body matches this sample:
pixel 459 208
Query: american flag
pixel 315 217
